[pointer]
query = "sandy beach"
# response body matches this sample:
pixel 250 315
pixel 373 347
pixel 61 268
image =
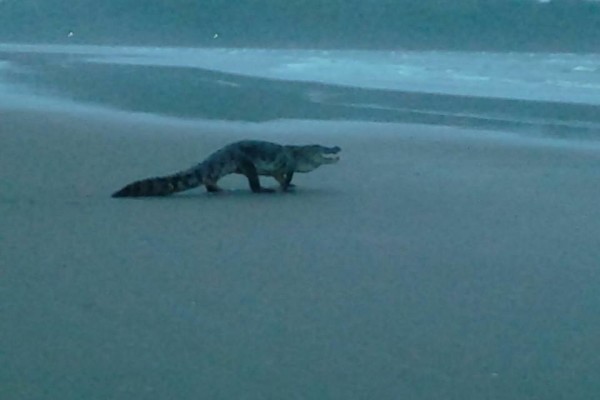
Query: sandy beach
pixel 430 263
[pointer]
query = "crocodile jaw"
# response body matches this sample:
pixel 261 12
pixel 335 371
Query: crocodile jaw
pixel 331 157
pixel 310 157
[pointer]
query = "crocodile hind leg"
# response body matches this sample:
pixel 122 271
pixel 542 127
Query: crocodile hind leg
pixel 211 185
pixel 249 170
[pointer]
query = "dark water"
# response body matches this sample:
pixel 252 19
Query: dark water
pixel 558 25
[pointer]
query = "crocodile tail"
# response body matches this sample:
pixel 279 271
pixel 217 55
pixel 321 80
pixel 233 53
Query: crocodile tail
pixel 161 186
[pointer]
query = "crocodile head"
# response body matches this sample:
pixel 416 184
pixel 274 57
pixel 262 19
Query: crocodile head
pixel 313 156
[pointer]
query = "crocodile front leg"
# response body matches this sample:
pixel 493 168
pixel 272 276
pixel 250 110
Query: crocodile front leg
pixel 285 180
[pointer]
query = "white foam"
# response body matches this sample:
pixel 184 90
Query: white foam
pixel 547 77
pixel 585 68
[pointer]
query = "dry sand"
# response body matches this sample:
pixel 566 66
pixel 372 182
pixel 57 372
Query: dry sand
pixel 430 263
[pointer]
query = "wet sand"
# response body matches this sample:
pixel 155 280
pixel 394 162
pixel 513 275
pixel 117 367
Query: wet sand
pixel 431 262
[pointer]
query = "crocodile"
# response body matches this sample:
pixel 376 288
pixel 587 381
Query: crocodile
pixel 247 157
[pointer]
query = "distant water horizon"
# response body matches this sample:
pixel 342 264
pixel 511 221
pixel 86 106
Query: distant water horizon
pixel 483 25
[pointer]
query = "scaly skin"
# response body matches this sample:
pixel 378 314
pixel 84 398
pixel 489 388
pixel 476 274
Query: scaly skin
pixel 247 157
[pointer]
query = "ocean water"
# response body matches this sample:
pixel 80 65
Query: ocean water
pixel 542 93
pixel 506 25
